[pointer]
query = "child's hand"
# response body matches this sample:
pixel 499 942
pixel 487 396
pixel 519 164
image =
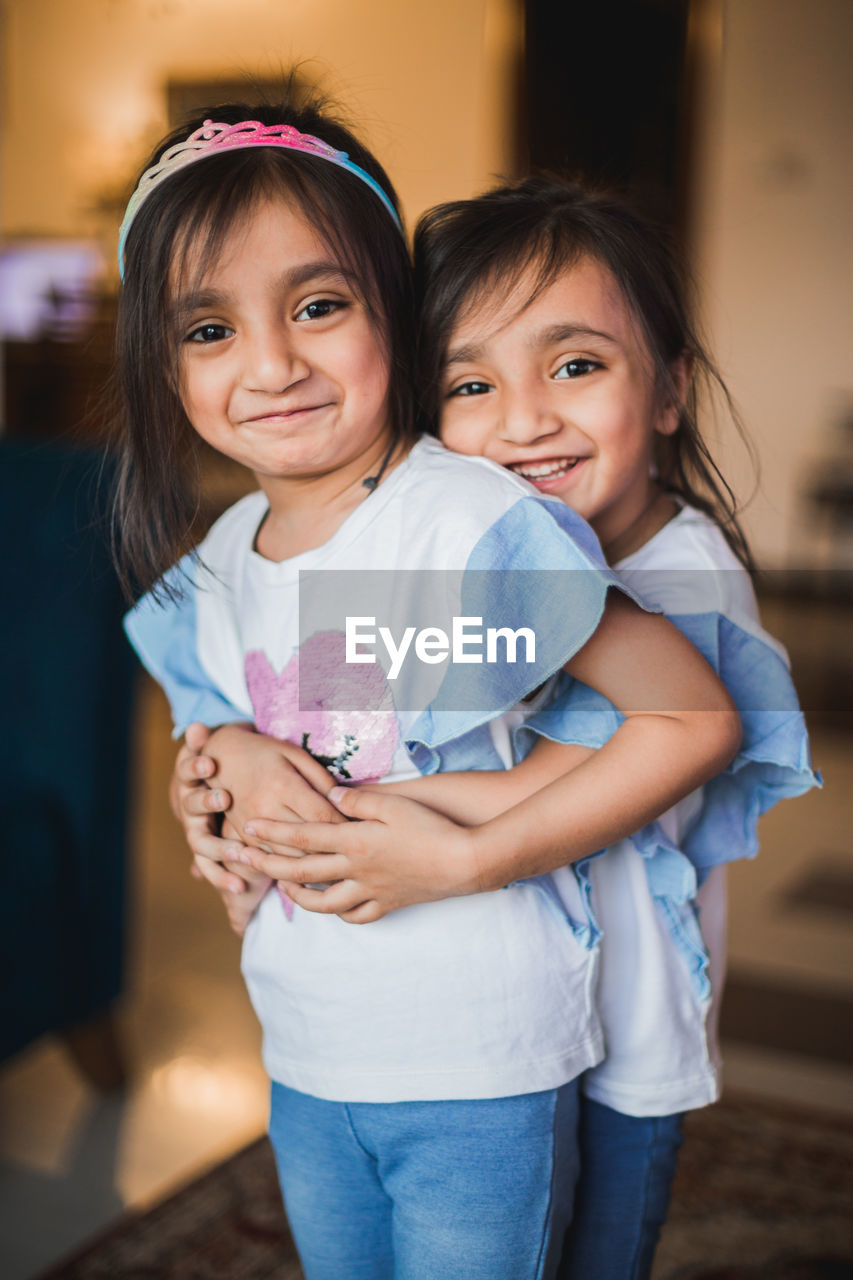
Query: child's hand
pixel 253 773
pixel 398 854
pixel 240 904
pixel 198 808
pixel 240 907
pixel 258 774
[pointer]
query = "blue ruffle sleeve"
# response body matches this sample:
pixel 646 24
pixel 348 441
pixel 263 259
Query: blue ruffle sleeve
pixel 538 568
pixel 164 635
pixel 772 763
pixel 773 760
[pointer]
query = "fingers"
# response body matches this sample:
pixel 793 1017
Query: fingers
pixel 196 736
pixel 211 848
pixel 312 771
pixel 192 764
pixel 188 796
pixel 191 768
pixel 308 803
pixel 280 776
pixel 318 868
pixel 345 896
pixel 366 913
pixel 370 805
pixel 324 837
pixel 253 880
pixel 239 912
pixel 214 873
pixel 304 837
pixel 198 801
pixel 230 832
pixel 344 900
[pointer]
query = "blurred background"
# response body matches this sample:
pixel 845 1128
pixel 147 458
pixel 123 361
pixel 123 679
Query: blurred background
pixel 130 1054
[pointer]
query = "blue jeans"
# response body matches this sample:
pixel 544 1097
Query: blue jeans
pixel 627 1166
pixel 459 1190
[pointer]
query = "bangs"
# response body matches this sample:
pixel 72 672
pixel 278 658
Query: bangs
pixel 188 227
pixel 539 255
pixel 541 259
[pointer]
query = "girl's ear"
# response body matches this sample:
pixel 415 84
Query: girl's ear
pixel 681 375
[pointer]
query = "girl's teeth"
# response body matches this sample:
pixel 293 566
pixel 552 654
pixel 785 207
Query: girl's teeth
pixel 539 471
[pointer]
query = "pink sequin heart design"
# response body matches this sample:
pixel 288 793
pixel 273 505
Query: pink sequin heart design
pixel 356 745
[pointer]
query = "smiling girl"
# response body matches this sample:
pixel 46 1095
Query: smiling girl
pixel 508 363
pixel 555 342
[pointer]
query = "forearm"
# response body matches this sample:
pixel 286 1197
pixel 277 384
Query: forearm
pixel 474 797
pixel 650 763
pixel 401 853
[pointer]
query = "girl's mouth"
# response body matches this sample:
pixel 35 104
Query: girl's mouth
pixel 276 417
pixel 545 474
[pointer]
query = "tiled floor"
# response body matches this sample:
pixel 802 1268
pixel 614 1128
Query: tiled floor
pixel 70 1160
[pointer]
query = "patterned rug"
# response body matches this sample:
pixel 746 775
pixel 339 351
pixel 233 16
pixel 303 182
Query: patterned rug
pixel 762 1193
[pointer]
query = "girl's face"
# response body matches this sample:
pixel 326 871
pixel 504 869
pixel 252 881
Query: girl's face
pixel 280 365
pixel 562 392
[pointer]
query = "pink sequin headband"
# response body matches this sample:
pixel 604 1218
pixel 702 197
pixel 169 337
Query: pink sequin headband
pixel 212 139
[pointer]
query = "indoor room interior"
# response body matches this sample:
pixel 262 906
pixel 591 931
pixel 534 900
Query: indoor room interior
pixel 132 1066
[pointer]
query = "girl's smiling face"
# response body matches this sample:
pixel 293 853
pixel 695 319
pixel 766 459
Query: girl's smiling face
pixel 561 391
pixel 281 367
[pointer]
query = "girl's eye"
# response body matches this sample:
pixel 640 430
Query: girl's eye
pixel 472 388
pixel 319 309
pixel 207 333
pixel 577 368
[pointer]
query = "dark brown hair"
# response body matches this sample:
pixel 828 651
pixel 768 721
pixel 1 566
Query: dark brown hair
pixel 157 494
pixel 470 250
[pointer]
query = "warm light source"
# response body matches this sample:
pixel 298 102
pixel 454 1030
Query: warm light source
pixel 196 1084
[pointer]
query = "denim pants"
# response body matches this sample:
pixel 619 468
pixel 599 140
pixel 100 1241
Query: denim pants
pixel 458 1190
pixel 627 1167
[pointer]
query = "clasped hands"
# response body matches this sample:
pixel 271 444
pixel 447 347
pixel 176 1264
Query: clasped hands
pixel 375 851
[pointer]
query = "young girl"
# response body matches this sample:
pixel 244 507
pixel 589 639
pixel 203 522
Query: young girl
pixel 424 1100
pixel 556 343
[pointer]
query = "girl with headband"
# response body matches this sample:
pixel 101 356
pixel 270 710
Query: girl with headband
pixel 555 337
pixel 424 1096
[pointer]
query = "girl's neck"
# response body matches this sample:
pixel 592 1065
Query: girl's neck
pixel 306 511
pixel 657 512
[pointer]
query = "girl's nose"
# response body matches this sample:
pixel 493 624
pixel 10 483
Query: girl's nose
pixel 273 363
pixel 524 419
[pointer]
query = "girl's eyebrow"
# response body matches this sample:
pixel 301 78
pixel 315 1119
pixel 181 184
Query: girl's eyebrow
pixel 464 355
pixel 556 333
pixel 309 271
pixel 185 304
pixel 471 352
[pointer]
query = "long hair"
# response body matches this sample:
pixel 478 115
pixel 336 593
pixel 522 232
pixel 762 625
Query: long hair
pixel 470 250
pixel 157 494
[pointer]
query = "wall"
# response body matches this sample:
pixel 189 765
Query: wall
pixel 83 93
pixel 83 100
pixel 774 249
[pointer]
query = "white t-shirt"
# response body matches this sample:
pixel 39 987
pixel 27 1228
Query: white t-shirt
pixel 482 996
pixel 662 1054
